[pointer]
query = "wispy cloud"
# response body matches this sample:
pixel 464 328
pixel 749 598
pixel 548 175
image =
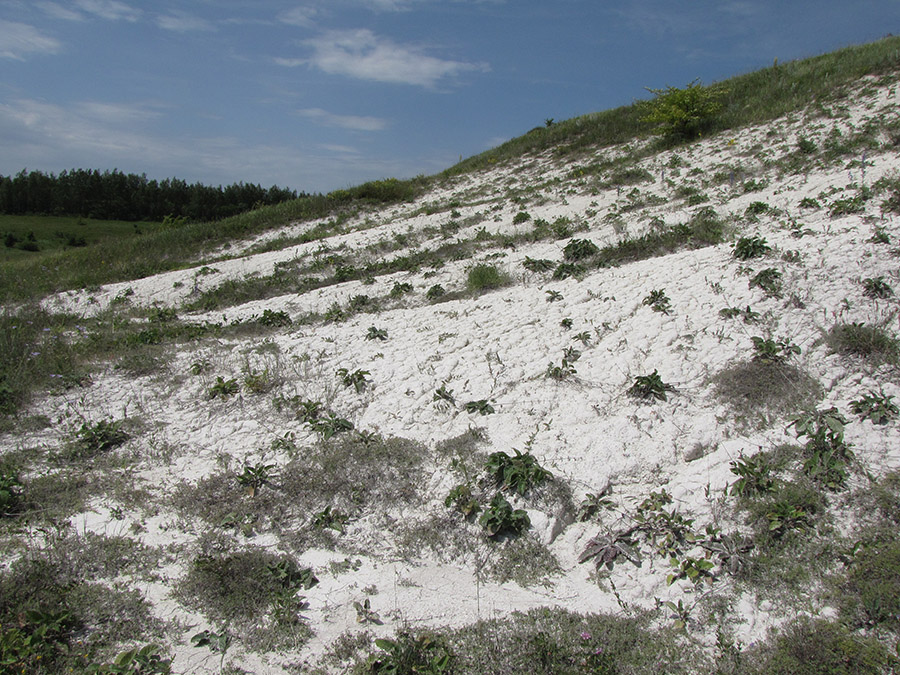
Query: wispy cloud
pixel 18 40
pixel 299 16
pixel 112 10
pixel 366 56
pixel 182 22
pixel 57 11
pixel 354 122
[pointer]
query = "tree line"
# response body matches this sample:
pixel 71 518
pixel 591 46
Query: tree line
pixel 113 195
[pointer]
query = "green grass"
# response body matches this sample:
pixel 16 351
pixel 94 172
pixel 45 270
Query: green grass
pixel 59 233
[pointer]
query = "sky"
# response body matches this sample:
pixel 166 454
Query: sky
pixel 317 95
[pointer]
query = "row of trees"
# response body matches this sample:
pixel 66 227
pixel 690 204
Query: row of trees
pixel 113 195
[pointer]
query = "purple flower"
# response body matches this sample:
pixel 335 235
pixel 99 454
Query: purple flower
pixel 585 635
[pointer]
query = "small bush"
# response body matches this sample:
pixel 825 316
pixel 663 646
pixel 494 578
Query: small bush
pixel 769 280
pixel 485 278
pixel 814 647
pixel 683 114
pixel 579 249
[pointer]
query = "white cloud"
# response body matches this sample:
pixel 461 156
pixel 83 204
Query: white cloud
pixel 18 40
pixel 299 16
pixel 354 122
pixel 112 10
pixel 291 63
pixel 182 22
pixel 57 11
pixel 364 55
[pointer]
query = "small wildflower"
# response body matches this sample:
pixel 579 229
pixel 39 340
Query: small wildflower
pixel 585 635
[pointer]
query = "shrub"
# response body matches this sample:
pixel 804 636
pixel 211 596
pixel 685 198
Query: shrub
pixel 579 249
pixel 484 278
pixel 435 292
pixel 871 594
pixel 521 217
pixel 421 654
pixel 683 114
pixel 813 647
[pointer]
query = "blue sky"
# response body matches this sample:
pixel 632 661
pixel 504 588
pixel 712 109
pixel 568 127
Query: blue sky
pixel 324 94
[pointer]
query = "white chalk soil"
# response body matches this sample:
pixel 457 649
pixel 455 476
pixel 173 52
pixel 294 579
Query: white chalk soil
pixel 498 346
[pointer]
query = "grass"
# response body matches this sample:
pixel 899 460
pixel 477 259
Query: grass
pixel 871 343
pixel 754 388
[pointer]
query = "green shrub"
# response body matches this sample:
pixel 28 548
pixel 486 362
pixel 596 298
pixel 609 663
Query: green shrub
pixel 499 517
pixel 485 277
pixel 871 594
pixel 683 114
pixel 578 249
pixel 818 646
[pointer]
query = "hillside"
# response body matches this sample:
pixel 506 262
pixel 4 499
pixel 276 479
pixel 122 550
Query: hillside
pixel 621 408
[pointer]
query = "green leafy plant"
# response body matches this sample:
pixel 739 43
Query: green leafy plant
pixel 593 504
pixel 146 660
pixel 254 477
pixel 100 436
pixel 223 388
pixel 330 425
pixel 647 387
pixel 847 205
pixel 482 407
pixel 518 473
pixel 462 499
pixel 553 296
pixel 365 614
pixel 521 217
pixel 579 249
pixel 878 408
pixel 561 372
pixel 435 292
pixel 400 288
pixel 376 333
pixel 826 453
pixel 683 114
pixel 747 314
pixel 356 379
pixel 274 319
pixel 217 643
pixel 566 323
pixel 867 341
pixel 693 569
pixel 10 491
pixel 499 517
pixel 877 288
pixel 538 265
pixel 658 301
pixel 331 519
pixel 750 247
pixel 754 476
pixel 200 366
pixel 680 615
pixel 407 654
pixel 767 350
pixel 769 280
pixel 443 394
